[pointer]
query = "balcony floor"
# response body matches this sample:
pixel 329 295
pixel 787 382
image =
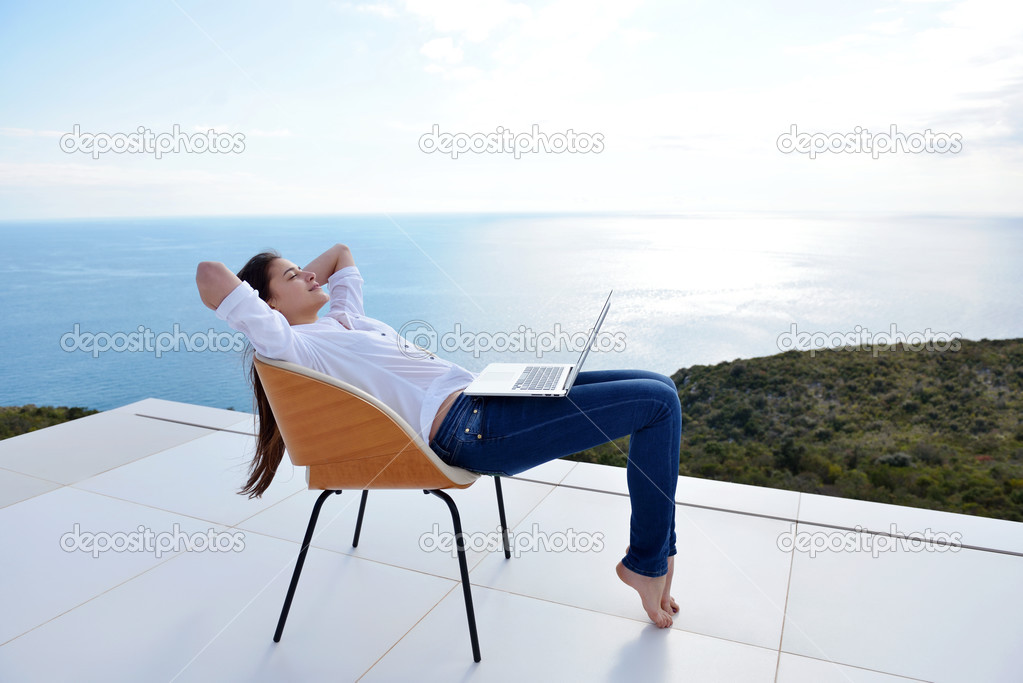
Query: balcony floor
pixel 752 608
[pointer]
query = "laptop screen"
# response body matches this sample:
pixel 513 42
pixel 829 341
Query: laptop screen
pixel 589 343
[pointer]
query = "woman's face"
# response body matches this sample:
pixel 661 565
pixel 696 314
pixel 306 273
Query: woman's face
pixel 295 292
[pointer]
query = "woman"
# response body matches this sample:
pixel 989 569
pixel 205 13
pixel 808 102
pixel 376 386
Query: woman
pixel 275 304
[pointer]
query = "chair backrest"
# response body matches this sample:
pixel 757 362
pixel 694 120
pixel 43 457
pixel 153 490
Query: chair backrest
pixel 347 438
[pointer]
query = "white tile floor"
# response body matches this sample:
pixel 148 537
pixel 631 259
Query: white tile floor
pixel 754 606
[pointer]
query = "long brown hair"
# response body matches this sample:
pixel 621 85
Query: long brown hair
pixel 269 443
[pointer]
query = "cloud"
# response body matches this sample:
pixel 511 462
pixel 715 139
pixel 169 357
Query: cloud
pixel 888 27
pixel 378 8
pixel 474 20
pixel 442 50
pixel 228 129
pixel 635 36
pixel 958 70
pixel 29 133
pixel 257 133
pixel 548 60
pixel 219 128
pixel 105 175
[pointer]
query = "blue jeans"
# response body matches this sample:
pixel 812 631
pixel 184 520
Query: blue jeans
pixel 507 435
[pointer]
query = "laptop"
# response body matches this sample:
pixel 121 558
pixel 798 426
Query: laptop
pixel 534 379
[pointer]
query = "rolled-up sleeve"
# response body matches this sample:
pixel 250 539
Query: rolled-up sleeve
pixel 266 329
pixel 345 287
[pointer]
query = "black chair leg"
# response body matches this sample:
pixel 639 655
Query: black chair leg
pixel 464 568
pixel 358 523
pixel 504 524
pixel 298 565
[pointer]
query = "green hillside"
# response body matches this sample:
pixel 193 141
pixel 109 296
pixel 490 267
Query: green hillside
pixel 930 429
pixel 16 420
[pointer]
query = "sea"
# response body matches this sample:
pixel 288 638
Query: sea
pixel 104 312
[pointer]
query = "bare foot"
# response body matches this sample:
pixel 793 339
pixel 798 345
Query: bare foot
pixel 668 603
pixel 650 589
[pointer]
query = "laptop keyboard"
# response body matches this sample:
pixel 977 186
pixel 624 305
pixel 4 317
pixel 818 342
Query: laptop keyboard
pixel 539 378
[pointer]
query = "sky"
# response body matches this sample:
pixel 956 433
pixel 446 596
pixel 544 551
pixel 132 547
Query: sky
pixel 326 107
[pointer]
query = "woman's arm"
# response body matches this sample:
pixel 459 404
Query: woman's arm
pixel 215 281
pixel 329 262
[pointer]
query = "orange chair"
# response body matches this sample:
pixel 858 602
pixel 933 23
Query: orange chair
pixel 348 439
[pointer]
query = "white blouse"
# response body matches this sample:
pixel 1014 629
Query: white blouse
pixel 368 354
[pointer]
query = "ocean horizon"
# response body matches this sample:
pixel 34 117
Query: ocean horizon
pixel 688 290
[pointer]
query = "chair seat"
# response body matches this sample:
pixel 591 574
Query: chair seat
pixel 347 438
